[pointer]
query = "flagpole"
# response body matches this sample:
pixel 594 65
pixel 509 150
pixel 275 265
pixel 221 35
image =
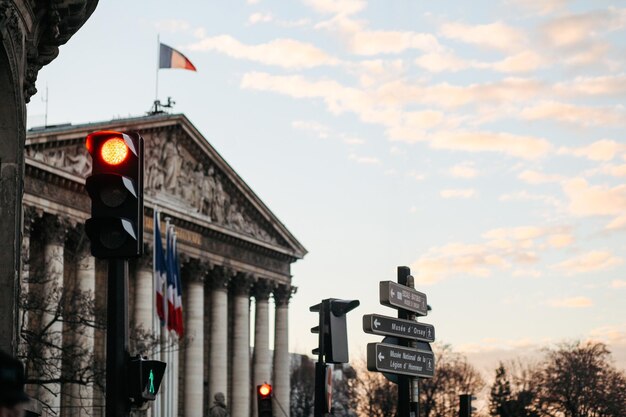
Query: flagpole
pixel 156 90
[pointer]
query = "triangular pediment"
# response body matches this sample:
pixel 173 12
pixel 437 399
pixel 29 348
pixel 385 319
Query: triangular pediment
pixel 183 173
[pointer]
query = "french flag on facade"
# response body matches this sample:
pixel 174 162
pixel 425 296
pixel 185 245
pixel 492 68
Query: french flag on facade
pixel 174 290
pixel 159 270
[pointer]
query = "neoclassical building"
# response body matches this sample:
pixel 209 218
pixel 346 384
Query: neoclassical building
pixel 235 261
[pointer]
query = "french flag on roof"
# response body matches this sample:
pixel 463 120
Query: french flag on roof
pixel 171 58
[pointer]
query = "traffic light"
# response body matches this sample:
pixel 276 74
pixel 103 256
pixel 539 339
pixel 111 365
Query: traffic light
pixel 465 407
pixel 264 400
pixel 115 187
pixel 333 339
pixel 144 379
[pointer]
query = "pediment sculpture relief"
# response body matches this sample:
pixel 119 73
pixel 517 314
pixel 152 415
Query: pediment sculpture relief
pixel 172 169
pixel 175 171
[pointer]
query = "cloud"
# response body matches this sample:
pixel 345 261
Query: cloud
pixel 501 249
pixel 579 115
pixel 286 53
pixel 325 132
pixel 367 160
pixel 363 41
pixel 618 283
pixel 575 29
pixel 494 35
pixel 572 302
pixel 602 150
pixel 436 62
pixel 526 196
pixel 464 170
pixel 417 176
pixel 458 193
pixel 536 177
pixel 610 85
pixel 599 200
pixel 524 61
pixel 526 147
pixel 541 7
pixel 596 260
pixel 337 7
pixel 260 18
pixel 561 240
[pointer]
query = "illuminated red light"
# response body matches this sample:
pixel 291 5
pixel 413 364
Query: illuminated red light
pixel 265 390
pixel 113 151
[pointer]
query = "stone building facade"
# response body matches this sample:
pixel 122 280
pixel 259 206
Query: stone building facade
pixel 235 258
pixel 31 32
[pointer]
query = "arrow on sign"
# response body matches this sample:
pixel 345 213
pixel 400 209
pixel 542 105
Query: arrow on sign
pixel 380 356
pixel 376 323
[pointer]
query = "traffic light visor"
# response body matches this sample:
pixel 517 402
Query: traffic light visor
pixel 114 151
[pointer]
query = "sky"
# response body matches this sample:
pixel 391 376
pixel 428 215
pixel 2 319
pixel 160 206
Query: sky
pixel 479 143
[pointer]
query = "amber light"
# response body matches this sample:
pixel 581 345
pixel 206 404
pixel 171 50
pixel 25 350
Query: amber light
pixel 114 151
pixel 265 390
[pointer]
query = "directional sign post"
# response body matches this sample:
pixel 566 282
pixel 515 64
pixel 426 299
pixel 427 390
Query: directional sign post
pixel 390 326
pixel 403 297
pixel 401 360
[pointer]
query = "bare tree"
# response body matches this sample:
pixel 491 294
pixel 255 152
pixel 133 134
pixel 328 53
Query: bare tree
pixel 377 396
pixel 579 380
pixel 302 394
pixel 439 396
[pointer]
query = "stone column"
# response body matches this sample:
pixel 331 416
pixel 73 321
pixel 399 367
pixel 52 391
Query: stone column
pixel 194 273
pixel 282 294
pixel 81 396
pixel 30 215
pixel 218 375
pixel 262 361
pixel 240 397
pixel 144 292
pixel 54 232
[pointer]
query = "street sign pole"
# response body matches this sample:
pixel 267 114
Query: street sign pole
pixel 404 382
pixel 117 339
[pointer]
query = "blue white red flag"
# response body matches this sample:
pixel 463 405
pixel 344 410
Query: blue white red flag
pixel 174 290
pixel 159 270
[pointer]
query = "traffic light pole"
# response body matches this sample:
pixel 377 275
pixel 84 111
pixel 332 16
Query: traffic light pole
pixel 408 390
pixel 117 339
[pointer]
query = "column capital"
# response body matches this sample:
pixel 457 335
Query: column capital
pixel 241 284
pixel 262 289
pixel 282 294
pixel 31 214
pixel 196 270
pixel 219 278
pixel 54 228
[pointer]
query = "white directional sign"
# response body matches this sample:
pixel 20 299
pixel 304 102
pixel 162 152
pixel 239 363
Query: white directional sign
pixel 390 326
pixel 403 297
pixel 401 360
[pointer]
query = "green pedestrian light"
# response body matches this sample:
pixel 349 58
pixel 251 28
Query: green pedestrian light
pixel 145 378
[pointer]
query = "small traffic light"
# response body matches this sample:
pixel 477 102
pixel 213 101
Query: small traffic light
pixel 115 187
pixel 264 400
pixel 333 339
pixel 465 407
pixel 144 379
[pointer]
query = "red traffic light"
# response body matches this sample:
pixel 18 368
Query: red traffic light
pixel 114 151
pixel 264 390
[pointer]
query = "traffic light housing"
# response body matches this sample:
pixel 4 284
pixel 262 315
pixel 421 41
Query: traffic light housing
pixel 264 400
pixel 115 187
pixel 333 339
pixel 465 406
pixel 144 379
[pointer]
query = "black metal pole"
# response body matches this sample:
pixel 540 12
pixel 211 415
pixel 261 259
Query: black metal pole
pixel 319 407
pixel 404 382
pixel 117 339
